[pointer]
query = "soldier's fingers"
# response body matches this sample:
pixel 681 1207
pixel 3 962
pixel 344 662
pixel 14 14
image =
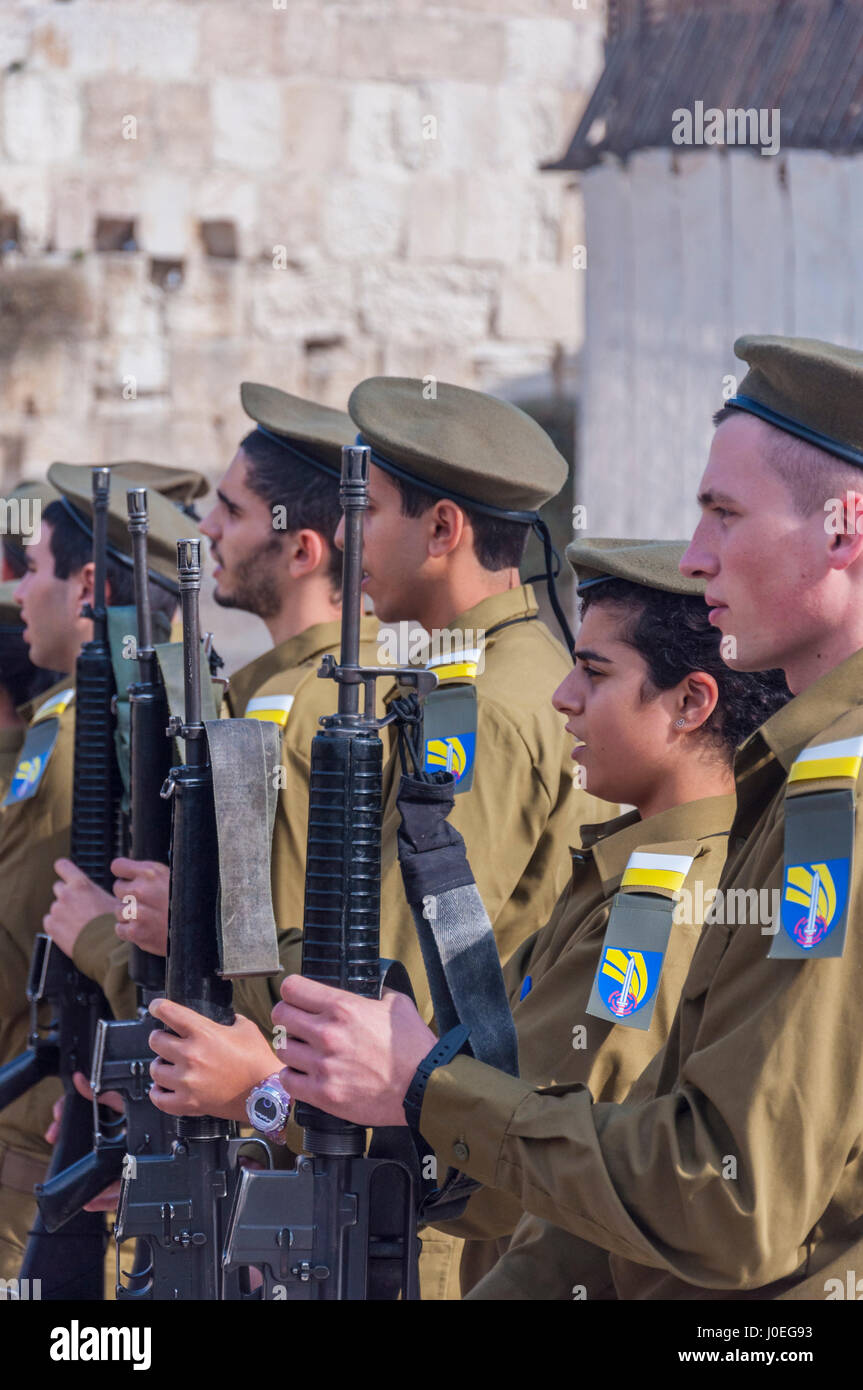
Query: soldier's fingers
pixel 167 1046
pixel 185 1022
pixel 297 1056
pixel 69 872
pixel 305 994
pixel 166 1101
pixel 107 1199
pixel 83 1087
pixel 122 867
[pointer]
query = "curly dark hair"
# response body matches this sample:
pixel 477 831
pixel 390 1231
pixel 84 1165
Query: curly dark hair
pixel 671 633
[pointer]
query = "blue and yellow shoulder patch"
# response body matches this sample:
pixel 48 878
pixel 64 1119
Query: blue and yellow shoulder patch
pixel 38 746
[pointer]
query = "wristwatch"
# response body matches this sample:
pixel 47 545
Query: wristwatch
pixel 268 1106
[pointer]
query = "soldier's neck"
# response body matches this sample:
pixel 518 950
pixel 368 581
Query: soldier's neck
pixel 459 591
pixel 304 607
pixel 691 780
pixel 9 716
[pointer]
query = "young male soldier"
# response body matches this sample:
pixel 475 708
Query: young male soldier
pixel 735 1169
pixel 35 816
pixel 455 484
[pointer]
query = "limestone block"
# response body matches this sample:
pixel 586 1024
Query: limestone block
pixel 434 217
pixel 182 132
pixel 563 53
pixel 206 376
pixel 451 45
pixel 238 40
pixel 39 381
pixel 542 236
pixel 289 219
pixel 541 302
pixel 444 362
pixel 165 225
pixel 363 218
pixel 118 126
pixel 493 208
pixel 24 191
pixel 209 302
pixel 127 370
pixel 246 123
pixel 297 304
pixel 138 429
pixel 314 125
pixel 494 363
pixel 127 305
pixel 230 196
pixel 307 38
pixel 385 128
pixel 332 372
pixel 14 37
pixel 418 302
pixel 364 42
pixel 42 117
pixel 159 39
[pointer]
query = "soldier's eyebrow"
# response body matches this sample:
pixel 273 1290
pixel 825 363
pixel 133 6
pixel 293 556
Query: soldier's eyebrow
pixel 226 502
pixel 710 499
pixel 588 654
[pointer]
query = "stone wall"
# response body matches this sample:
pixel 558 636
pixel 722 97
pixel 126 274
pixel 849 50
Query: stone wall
pixel 193 192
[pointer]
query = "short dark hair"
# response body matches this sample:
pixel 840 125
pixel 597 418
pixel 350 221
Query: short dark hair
pixel 497 544
pixel 309 496
pixel 16 558
pixel 72 549
pixel 18 675
pixel 672 635
pixel 811 475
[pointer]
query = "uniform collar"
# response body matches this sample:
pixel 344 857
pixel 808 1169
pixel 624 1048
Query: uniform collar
pixel 302 648
pixel 496 609
pixel 31 707
pixel 787 732
pixel 610 844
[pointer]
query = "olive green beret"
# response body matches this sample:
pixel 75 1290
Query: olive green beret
pixel 810 389
pixel 458 443
pixel 313 433
pixel 655 564
pixel 10 613
pixel 74 482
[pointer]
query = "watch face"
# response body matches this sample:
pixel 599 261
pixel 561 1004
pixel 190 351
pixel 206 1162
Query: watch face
pixel 266 1111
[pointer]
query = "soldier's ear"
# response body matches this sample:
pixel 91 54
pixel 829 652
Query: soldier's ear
pixel 85 578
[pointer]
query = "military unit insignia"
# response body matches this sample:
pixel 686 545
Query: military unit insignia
pixel 35 755
pixel 455 753
pixel 627 979
pixel 813 900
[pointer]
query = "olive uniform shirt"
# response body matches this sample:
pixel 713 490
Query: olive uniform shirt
pixel 10 746
pixel 33 833
pixel 558 1041
pixel 735 1168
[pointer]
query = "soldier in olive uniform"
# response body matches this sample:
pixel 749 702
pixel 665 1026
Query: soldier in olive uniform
pixel 35 816
pixel 735 1169
pixel 660 716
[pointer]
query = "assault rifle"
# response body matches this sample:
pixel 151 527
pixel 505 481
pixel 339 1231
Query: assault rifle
pixel 70 1263
pixel 342 1223
pixel 174 1202
pixel 121 1054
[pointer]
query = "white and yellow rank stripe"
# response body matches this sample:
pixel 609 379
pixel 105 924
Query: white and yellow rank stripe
pixel 840 759
pixel 456 666
pixel 271 708
pixel 646 870
pixel 55 706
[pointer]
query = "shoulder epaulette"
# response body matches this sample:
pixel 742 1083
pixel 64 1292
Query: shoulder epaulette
pixel 456 666
pixel 54 707
pixel 270 708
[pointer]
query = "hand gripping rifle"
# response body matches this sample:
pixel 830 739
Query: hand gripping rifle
pixel 121 1055
pixel 70 1263
pixel 341 1224
pixel 175 1202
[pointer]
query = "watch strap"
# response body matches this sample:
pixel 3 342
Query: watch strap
pixel 443 1051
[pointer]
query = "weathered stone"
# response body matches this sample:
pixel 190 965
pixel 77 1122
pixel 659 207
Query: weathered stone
pixel 14 38
pixel 118 124
pixel 232 197
pixel 314 125
pixel 415 303
pixel 246 123
pixel 182 127
pixel 457 47
pixel 363 218
pixel 24 192
pixel 541 302
pixel 556 53
pixel 307 39
pixel 210 300
pixel 42 114
pixel 332 372
pixel 126 371
pixel 159 39
pixel 385 128
pixel 289 220
pixel 434 218
pixel 293 304
pixel 238 40
pixel 165 226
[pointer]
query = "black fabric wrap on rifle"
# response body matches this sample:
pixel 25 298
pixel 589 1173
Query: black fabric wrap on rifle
pixel 455 934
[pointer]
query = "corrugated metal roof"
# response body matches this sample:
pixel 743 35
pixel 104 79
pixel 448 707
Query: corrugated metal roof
pixel 804 58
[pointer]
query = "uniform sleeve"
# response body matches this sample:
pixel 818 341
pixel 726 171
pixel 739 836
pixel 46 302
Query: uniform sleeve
pixel 722 1180
pixel 545 1264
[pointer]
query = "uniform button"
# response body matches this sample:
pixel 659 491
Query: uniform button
pixel 461 1151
